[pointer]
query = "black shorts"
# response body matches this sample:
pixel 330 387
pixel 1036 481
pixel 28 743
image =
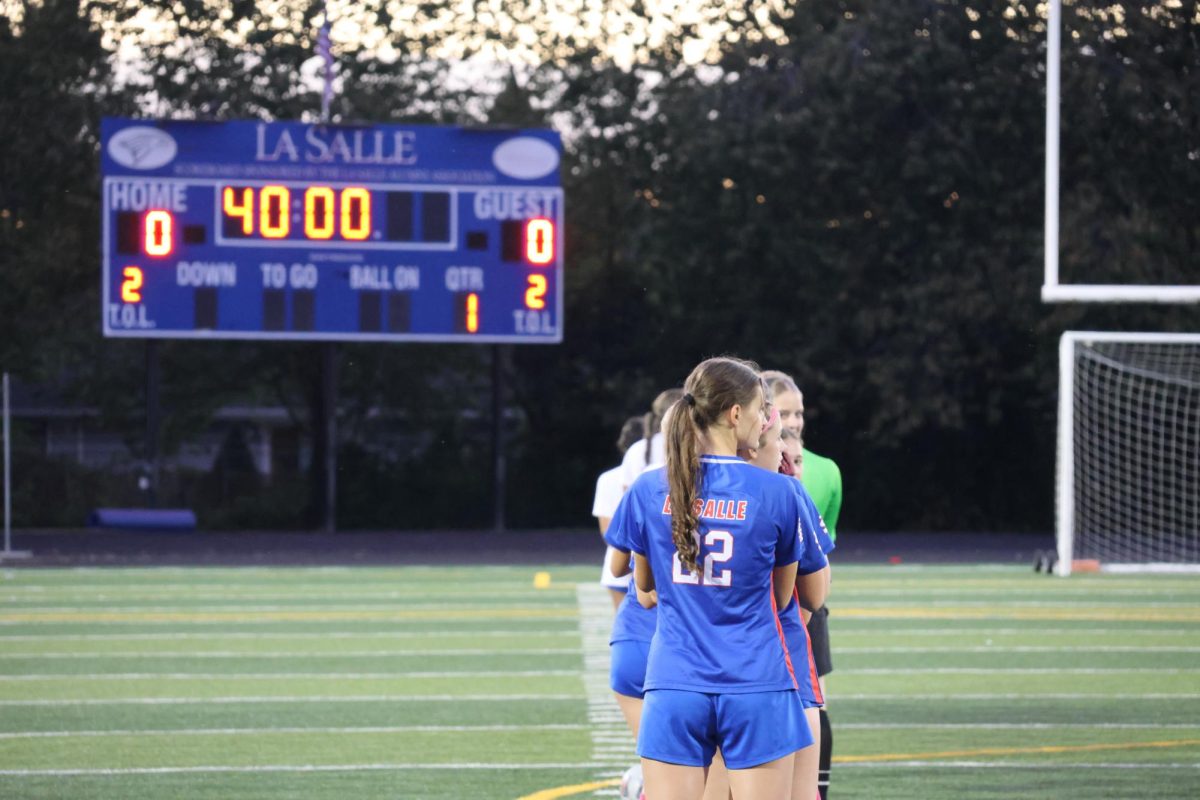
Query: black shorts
pixel 818 634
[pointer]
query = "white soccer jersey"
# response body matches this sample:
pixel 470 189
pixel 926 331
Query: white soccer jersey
pixel 608 493
pixel 634 463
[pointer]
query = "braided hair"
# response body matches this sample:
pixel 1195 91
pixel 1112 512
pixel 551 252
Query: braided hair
pixel 715 386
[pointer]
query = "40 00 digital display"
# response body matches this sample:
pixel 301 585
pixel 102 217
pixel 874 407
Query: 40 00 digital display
pixel 294 231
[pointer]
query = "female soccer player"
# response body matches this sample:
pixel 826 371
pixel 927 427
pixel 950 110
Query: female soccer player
pixel 792 619
pixel 609 490
pixel 823 481
pixel 629 647
pixel 633 629
pixel 717 539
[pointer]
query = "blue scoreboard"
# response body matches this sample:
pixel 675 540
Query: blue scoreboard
pixel 287 230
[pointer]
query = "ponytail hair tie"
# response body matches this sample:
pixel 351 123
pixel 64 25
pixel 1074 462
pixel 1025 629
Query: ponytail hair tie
pixel 687 398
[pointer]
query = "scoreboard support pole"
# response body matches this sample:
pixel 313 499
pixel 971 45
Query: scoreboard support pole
pixel 499 464
pixel 329 363
pixel 153 415
pixel 328 432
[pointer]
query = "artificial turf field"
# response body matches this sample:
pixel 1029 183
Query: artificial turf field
pixel 425 682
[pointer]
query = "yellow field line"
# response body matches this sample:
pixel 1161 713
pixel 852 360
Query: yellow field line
pixel 1081 614
pixel 1013 751
pixel 567 791
pixel 289 616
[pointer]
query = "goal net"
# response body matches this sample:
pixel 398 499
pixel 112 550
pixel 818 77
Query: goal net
pixel 1128 492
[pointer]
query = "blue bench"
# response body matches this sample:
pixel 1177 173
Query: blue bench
pixel 145 519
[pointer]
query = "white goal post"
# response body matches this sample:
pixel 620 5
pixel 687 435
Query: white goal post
pixel 1128 472
pixel 1052 290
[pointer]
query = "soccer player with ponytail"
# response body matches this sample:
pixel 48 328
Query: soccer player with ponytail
pixel 718 540
pixel 768 455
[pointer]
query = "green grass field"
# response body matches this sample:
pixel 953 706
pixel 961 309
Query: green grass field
pixel 950 682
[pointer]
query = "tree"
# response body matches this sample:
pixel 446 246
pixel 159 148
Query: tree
pixel 850 191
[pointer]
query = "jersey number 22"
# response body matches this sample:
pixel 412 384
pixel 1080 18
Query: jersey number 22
pixel 711 577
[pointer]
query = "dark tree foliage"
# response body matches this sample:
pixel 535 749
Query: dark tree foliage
pixel 849 191
pixel 54 73
pixel 1131 143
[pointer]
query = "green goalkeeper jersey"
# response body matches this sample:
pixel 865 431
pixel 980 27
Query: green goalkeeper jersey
pixel 823 481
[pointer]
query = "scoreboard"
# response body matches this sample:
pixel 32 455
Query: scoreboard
pixel 288 230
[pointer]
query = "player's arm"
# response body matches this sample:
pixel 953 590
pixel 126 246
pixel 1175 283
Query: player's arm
pixel 813 588
pixel 812 573
pixel 789 549
pixel 616 529
pixel 782 580
pixel 619 563
pixel 643 578
pixel 814 576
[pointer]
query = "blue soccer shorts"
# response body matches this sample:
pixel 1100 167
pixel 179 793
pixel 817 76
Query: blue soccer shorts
pixel 681 727
pixel 627 672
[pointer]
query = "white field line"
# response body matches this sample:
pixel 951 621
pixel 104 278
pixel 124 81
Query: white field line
pixel 611 739
pixel 230 592
pixel 1020 764
pixel 853 595
pixel 555 651
pixel 282 573
pixel 496 572
pixel 295 730
pixel 1020 671
pixel 176 570
pixel 854 578
pixel 609 742
pixel 251 654
pixel 559 673
pixel 239 635
pixel 1011 696
pixel 862 619
pixel 1006 697
pixel 307 698
pixel 471 603
pixel 1017 726
pixel 479 604
pixel 379 617
pixel 1123 605
pixel 265 768
pixel 1025 635
pixel 279 676
pixel 89 594
pixel 847 628
pixel 1003 649
pixel 944 569
pixel 101 600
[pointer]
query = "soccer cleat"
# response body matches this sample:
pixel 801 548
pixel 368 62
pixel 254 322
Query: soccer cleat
pixel 632 785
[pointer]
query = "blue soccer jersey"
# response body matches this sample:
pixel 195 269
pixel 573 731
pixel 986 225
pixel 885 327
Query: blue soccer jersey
pixel 717 630
pixel 817 544
pixel 632 622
